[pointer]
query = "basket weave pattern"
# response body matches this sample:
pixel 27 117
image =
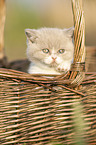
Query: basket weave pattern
pixel 39 113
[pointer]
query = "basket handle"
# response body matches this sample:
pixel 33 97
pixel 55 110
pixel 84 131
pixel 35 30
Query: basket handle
pixel 3 60
pixel 79 43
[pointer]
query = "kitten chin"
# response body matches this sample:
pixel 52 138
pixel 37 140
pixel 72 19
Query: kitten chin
pixel 42 69
pixel 50 50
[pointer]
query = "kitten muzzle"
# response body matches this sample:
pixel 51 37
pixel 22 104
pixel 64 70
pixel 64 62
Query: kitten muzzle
pixel 53 64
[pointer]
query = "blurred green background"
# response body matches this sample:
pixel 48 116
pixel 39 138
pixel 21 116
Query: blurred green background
pixel 22 14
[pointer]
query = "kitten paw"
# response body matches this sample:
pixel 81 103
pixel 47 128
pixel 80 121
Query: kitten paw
pixel 64 67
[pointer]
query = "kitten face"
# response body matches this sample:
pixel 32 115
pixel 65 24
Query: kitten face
pixel 50 47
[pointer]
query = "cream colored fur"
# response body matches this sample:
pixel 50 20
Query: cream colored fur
pixel 53 40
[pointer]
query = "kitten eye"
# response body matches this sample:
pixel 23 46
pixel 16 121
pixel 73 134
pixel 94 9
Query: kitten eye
pixel 45 50
pixel 61 51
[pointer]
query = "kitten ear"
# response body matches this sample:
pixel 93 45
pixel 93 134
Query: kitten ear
pixel 69 32
pixel 31 34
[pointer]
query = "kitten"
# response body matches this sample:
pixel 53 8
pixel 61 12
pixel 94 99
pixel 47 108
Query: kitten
pixel 50 50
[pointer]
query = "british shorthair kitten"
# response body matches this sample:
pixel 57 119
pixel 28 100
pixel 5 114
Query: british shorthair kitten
pixel 50 50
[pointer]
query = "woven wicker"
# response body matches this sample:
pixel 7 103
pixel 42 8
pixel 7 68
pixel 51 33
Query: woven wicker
pixel 33 111
pixel 50 109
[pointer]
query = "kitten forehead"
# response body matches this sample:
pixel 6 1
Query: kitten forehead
pixel 53 37
pixel 52 31
pixel 65 32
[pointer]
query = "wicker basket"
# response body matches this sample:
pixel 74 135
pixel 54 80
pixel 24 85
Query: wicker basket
pixel 33 111
pixel 40 109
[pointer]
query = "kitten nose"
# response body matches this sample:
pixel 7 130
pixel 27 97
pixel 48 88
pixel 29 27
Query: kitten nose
pixel 54 58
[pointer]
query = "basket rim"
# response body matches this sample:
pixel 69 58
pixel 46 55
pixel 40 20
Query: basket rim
pixel 44 78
